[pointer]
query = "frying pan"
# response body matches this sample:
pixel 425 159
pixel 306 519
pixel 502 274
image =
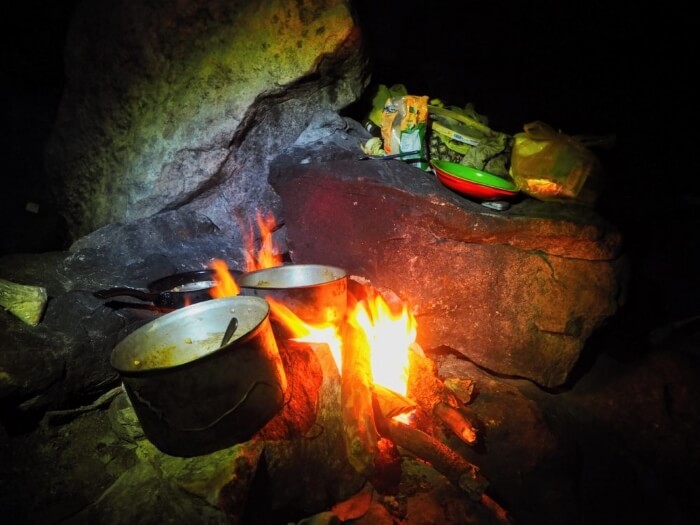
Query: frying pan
pixel 171 292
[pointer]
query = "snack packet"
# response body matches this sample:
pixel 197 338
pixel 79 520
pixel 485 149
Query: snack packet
pixel 404 124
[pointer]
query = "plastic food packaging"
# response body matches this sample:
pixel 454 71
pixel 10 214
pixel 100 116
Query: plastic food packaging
pixel 404 123
pixel 461 135
pixel 551 166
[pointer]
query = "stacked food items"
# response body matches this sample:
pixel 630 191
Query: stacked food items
pixel 541 162
pixel 462 136
pixel 414 123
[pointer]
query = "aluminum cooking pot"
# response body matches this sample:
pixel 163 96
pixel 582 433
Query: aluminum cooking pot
pixel 316 293
pixel 193 395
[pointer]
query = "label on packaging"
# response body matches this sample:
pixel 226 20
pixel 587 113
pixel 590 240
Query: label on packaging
pixel 404 122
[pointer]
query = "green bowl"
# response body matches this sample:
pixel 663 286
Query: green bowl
pixel 473 182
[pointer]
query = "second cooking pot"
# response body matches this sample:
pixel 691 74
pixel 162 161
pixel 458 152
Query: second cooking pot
pixel 316 293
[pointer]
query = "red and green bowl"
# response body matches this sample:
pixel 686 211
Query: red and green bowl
pixel 472 182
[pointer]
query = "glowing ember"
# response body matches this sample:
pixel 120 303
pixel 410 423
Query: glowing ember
pixel 225 284
pixel 306 333
pixel 389 336
pixel 267 255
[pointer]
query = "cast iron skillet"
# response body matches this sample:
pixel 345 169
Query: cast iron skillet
pixel 173 291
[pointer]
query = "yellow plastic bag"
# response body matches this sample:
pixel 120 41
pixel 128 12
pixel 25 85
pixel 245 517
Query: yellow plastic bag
pixel 552 166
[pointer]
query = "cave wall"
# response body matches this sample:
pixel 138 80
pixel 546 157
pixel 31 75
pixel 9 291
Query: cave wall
pixel 162 103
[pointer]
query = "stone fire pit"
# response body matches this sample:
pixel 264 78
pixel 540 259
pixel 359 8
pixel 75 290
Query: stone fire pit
pixel 74 449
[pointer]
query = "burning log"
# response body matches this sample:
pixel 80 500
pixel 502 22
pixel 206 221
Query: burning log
pixel 235 495
pixel 432 397
pixel 388 404
pixel 454 467
pixel 304 461
pixel 462 473
pixel 456 422
pixel 446 461
pixel 306 377
pixel 458 470
pixel 391 404
pixel 361 434
pixel 435 398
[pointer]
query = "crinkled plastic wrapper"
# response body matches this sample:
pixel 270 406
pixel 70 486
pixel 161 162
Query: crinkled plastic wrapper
pixel 404 122
pixel 552 166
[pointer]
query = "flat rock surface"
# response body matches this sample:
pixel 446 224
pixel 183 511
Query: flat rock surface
pixel 517 291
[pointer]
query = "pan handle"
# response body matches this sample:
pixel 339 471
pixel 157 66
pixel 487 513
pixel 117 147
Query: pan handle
pixel 160 299
pixel 126 291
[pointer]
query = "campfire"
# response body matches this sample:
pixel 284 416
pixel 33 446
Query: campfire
pixel 361 389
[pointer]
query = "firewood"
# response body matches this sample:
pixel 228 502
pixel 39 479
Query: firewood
pixel 456 421
pixel 305 376
pixel 387 468
pixel 435 398
pixel 235 495
pixel 390 403
pixel 444 460
pixel 361 434
pixel 308 471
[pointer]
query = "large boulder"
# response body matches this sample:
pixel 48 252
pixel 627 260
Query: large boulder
pixel 519 291
pixel 64 360
pixel 168 104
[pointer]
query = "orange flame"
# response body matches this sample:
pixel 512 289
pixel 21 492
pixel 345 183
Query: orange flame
pixel 267 255
pixel 389 336
pixel 225 284
pixel 304 332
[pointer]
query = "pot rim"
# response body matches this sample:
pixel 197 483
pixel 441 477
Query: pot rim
pixel 170 282
pixel 190 310
pixel 339 274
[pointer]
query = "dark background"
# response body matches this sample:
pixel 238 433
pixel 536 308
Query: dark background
pixel 582 67
pixel 595 67
pixel 33 36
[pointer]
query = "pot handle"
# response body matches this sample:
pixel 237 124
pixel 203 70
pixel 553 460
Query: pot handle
pixel 231 410
pixel 126 291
